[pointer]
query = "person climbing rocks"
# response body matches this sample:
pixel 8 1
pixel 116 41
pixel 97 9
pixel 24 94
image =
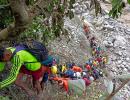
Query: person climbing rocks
pixel 85 74
pixel 93 51
pixel 98 49
pixel 88 67
pixel 77 75
pixel 77 69
pixel 73 87
pixel 49 71
pixel 23 62
pixel 95 63
pixel 61 81
pixel 69 73
pixel 104 61
pixel 96 74
pixel 62 68
pixel 92 42
pixel 86 28
pixel 99 60
pixel 90 61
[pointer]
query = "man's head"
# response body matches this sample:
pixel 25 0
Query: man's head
pixel 5 55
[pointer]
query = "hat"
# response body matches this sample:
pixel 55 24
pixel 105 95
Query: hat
pixel 48 61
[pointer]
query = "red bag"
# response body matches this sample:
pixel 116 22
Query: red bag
pixel 87 81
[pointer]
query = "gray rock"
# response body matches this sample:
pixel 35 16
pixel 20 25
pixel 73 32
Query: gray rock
pixel 127 31
pixel 118 53
pixel 75 5
pixel 122 66
pixel 125 69
pixel 108 43
pixel 120 41
pixel 106 16
pixel 122 47
pixel 128 59
pixel 124 63
pixel 119 61
pixel 113 57
pixel 117 98
pixel 108 27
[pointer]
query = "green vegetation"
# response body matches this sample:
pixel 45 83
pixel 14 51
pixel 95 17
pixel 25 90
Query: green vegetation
pixel 50 28
pixel 49 24
pixel 117 7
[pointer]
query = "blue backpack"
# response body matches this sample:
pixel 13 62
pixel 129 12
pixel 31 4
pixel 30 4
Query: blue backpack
pixel 37 49
pixel 69 73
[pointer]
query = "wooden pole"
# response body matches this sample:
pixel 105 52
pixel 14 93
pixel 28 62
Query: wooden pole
pixel 117 90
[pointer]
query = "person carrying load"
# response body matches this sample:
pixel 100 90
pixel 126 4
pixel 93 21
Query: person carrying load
pixel 77 69
pixel 31 60
pixel 73 87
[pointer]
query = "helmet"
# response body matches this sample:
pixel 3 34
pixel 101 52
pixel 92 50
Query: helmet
pixel 2 65
pixel 54 69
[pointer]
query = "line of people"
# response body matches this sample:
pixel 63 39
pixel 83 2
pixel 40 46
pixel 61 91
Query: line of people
pixel 87 73
pixel 73 78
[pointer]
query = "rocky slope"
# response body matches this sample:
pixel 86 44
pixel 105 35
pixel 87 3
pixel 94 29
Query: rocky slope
pixel 113 35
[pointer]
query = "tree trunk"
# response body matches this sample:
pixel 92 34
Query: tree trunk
pixel 23 16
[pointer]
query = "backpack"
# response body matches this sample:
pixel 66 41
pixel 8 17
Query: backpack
pixel 37 49
pixel 69 73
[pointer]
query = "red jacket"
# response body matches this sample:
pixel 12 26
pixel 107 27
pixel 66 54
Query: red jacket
pixel 88 67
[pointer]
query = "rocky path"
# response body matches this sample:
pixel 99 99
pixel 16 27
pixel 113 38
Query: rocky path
pixel 114 36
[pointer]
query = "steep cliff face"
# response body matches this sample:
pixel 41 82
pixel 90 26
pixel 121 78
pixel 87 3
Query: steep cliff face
pixel 74 47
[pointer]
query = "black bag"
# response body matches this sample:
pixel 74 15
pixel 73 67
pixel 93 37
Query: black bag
pixel 35 48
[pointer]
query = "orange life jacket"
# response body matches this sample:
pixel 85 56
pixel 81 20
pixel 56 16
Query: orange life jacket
pixel 77 69
pixel 64 80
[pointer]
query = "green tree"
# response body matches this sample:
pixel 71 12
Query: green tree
pixel 117 7
pixel 17 15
